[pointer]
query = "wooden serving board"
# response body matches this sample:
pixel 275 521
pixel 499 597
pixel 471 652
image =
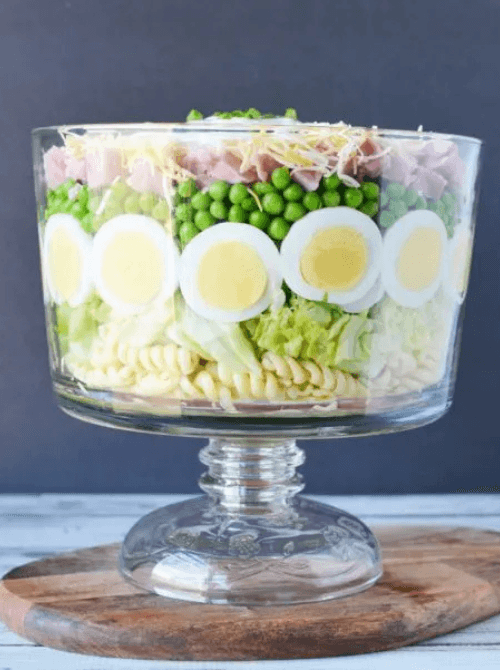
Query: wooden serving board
pixel 436 579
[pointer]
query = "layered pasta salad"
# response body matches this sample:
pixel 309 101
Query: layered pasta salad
pixel 245 261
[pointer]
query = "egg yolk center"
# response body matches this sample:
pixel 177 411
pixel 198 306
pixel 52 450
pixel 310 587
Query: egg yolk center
pixel 132 268
pixel 231 276
pixel 420 259
pixel 65 264
pixel 335 259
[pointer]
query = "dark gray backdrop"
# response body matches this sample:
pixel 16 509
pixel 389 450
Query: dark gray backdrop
pixel 393 63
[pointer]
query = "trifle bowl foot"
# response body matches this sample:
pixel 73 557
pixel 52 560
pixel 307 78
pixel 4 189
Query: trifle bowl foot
pixel 251 540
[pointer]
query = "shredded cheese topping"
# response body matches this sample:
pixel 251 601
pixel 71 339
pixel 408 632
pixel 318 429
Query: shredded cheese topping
pixel 324 149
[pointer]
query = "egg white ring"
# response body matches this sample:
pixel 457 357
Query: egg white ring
pixel 464 236
pixel 135 223
pixel 394 239
pixel 84 243
pixel 305 229
pixel 229 232
pixel 373 295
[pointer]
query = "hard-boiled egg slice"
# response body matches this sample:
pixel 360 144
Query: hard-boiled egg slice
pixel 458 263
pixel 334 251
pixel 230 272
pixel 67 256
pixel 414 258
pixel 374 295
pixel 134 262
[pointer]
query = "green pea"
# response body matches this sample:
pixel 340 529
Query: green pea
pixel 420 203
pixel 119 190
pixel 331 198
pixel 353 197
pixel 280 178
pixel 259 219
pixel 410 197
pixel 438 208
pixel 147 201
pixel 160 211
pixel 97 222
pixel 203 220
pixel 395 191
pixel 443 209
pixel 57 203
pixel 387 219
pixel 187 189
pixel 184 212
pixel 311 201
pixel 273 203
pixel 294 193
pixel 278 228
pixel 112 209
pixel 249 204
pixel 294 211
pixel 237 193
pixel 331 183
pixel 237 214
pixel 370 190
pixel 87 223
pixel 63 188
pixel 177 198
pixel 219 210
pixel 398 208
pixel 219 189
pixel 291 113
pixel 384 199
pixel 83 195
pixel 450 200
pixel 370 208
pixel 201 201
pixel 78 210
pixel 263 187
pixel 187 231
pixel 194 115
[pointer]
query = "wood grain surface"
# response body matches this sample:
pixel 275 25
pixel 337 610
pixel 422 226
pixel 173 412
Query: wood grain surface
pixel 436 580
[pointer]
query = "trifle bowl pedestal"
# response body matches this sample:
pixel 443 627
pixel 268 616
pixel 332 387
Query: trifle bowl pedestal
pixel 251 540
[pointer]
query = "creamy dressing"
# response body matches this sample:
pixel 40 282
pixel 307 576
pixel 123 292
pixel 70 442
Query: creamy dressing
pixel 335 259
pixel 231 276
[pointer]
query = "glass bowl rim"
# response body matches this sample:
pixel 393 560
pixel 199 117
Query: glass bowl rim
pixel 249 126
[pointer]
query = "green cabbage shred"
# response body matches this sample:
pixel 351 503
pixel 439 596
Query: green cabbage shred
pixel 316 331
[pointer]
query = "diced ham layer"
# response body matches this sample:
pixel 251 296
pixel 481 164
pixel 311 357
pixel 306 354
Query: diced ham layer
pixel 427 167
pixel 98 168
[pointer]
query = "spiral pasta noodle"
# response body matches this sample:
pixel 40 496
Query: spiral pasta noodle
pixel 320 381
pixel 169 369
pixel 404 373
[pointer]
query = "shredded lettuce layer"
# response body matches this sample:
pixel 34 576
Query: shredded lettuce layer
pixel 77 327
pixel 315 331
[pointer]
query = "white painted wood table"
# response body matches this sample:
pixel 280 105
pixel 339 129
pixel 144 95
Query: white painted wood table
pixel 33 526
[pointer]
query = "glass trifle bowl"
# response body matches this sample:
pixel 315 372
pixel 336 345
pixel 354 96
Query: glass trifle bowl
pixel 253 280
